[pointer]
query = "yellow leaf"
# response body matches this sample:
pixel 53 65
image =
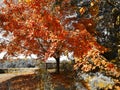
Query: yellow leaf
pixel 25 1
pixel 28 1
pixel 92 3
pixel 77 60
pixel 94 10
pixel 19 0
pixel 113 61
pixel 101 84
pixel 82 10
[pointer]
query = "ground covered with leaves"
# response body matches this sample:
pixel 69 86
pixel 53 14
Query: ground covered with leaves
pixel 22 82
pixel 62 81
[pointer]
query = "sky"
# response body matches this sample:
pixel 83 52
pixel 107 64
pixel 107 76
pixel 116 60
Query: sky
pixel 51 59
pixel 1 3
pixel 2 55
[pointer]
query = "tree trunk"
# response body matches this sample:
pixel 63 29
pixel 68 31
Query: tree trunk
pixel 57 65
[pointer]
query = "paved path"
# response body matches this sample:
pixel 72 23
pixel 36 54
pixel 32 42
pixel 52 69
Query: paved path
pixel 4 77
pixel 7 76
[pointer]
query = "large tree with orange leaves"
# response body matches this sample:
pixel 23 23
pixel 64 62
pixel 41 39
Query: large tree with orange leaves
pixel 37 27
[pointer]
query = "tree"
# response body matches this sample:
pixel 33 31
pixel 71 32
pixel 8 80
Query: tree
pixel 37 27
pixel 108 27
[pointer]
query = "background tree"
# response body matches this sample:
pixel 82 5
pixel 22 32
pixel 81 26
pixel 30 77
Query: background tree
pixel 109 27
pixel 38 28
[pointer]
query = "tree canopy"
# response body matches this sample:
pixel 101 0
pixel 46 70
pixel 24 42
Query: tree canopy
pixel 38 27
pixel 36 30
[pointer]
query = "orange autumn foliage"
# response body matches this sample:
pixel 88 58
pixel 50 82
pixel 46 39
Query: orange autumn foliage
pixel 36 29
pixel 33 22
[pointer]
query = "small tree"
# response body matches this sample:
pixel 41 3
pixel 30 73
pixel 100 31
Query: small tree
pixel 36 29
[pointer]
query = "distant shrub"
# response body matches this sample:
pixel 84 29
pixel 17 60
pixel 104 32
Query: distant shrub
pixel 18 64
